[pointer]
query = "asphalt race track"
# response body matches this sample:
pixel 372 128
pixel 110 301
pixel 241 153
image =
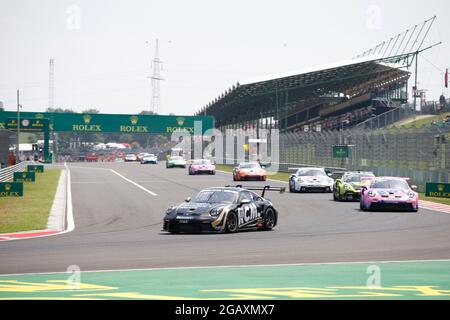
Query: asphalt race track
pixel 118 226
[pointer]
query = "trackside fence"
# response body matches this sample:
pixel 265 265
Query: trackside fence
pixel 422 154
pixel 7 174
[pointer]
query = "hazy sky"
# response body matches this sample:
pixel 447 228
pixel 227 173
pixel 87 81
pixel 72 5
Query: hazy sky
pixel 103 48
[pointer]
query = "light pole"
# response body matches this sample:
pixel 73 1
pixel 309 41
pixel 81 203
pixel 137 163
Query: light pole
pixel 18 128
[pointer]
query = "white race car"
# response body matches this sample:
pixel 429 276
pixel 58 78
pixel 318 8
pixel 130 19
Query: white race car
pixel 149 158
pixel 310 179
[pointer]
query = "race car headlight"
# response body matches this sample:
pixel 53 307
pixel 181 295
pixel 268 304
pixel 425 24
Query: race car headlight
pixel 216 211
pixel 330 180
pixel 299 180
pixel 411 194
pixel 372 193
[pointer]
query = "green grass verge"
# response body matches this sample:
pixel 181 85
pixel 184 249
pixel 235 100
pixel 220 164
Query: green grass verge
pixel 31 211
pixel 438 200
pixel 281 176
pixel 425 121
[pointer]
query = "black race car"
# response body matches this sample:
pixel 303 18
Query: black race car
pixel 223 209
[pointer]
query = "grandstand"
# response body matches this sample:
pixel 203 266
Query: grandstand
pixel 331 97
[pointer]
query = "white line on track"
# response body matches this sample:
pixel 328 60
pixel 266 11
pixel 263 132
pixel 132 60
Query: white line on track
pixel 69 212
pixel 134 183
pixel 235 266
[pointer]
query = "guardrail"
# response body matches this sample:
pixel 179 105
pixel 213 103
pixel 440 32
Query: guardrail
pixel 7 174
pixel 282 166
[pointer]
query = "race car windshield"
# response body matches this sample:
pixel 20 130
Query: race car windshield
pixel 250 166
pixel 311 172
pixel 354 178
pixel 202 162
pixel 390 184
pixel 215 197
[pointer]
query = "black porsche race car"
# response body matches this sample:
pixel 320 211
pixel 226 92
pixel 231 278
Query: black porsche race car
pixel 223 209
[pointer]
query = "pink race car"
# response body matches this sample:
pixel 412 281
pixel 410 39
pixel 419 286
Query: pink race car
pixel 201 166
pixel 389 193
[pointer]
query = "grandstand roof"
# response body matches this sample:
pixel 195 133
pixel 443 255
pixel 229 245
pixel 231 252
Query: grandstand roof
pixel 350 77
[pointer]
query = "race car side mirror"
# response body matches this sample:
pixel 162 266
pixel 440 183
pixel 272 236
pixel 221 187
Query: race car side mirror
pixel 329 174
pixel 414 187
pixel 188 199
pixel 245 201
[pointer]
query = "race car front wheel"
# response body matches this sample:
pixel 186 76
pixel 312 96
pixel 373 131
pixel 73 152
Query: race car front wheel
pixel 269 220
pixel 362 206
pixel 231 223
pixel 291 186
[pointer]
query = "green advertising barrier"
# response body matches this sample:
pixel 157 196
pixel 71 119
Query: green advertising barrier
pixel 35 168
pixel 11 189
pixel 437 190
pixel 25 176
pixel 27 124
pixel 340 151
pixel 124 123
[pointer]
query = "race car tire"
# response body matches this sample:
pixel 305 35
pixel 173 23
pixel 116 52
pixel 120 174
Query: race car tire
pixel 235 178
pixel 231 225
pixel 362 207
pixel 264 178
pixel 214 172
pixel 335 197
pixel 269 219
pixel 291 186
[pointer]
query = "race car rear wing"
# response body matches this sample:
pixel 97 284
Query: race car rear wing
pixel 263 189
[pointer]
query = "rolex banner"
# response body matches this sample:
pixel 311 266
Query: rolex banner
pixel 26 176
pixel 97 123
pixel 438 190
pixel 11 189
pixel 35 168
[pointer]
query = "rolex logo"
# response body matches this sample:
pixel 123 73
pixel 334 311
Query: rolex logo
pixel 134 120
pixel 180 121
pixel 7 187
pixel 87 118
pixel 440 187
